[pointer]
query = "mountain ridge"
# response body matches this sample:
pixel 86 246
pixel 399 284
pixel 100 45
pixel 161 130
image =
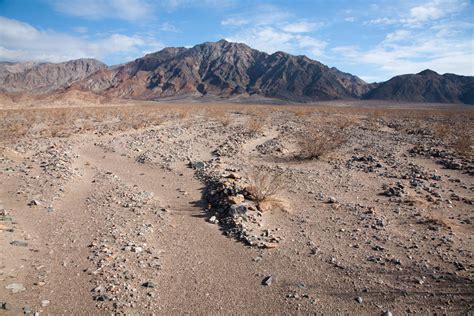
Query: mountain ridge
pixel 45 77
pixel 226 69
pixel 426 86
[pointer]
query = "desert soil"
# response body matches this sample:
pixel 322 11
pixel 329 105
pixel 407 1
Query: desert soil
pixel 133 216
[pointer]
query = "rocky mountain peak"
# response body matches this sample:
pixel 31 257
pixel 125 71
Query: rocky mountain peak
pixel 428 72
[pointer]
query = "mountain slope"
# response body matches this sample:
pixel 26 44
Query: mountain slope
pixel 224 69
pixel 45 77
pixel 426 86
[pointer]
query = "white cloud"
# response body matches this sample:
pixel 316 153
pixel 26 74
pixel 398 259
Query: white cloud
pixel 130 10
pixel 236 21
pixel 434 10
pixel 418 15
pixel 80 29
pixel 168 27
pixel 382 21
pixel 420 34
pixel 421 52
pixel 270 40
pixel 300 27
pixel 272 29
pixel 396 36
pixel 21 42
pixel 178 4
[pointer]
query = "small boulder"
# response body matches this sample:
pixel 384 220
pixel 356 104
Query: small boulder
pixel 267 281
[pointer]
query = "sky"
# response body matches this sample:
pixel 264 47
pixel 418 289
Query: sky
pixel 373 39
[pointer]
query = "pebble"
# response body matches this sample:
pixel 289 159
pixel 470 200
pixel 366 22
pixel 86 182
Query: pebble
pixel 148 284
pixel 213 220
pixel 16 287
pixel 44 303
pixel 19 243
pixel 34 202
pixel 6 306
pixel 267 281
pixel 359 300
pixel 332 200
pixel 387 313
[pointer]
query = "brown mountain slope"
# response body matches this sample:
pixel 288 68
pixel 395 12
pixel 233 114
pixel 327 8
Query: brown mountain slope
pixel 224 69
pixel 426 86
pixel 45 77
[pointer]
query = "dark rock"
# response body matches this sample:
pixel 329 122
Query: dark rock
pixel 197 165
pixel 19 243
pixel 148 284
pixel 6 306
pixel 267 281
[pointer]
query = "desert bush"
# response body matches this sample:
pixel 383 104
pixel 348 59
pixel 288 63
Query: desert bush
pixel 263 185
pixel 222 117
pixel 254 125
pixel 463 143
pixel 315 144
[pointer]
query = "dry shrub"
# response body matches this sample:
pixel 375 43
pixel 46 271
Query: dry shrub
pixel 344 123
pixel 302 111
pixel 182 113
pixel 222 117
pixel 254 125
pixel 463 143
pixel 315 144
pixel 264 187
pixel 436 219
pixel 441 131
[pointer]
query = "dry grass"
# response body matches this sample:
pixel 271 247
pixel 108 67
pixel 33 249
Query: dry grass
pixel 463 143
pixel 224 118
pixel 264 186
pixel 315 144
pixel 442 131
pixel 254 125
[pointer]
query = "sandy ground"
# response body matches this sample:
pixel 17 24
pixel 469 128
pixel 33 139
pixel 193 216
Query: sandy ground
pixel 136 214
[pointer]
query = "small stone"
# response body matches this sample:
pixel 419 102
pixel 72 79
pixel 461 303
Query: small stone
pixel 332 200
pixel 19 243
pixel 359 300
pixel 34 202
pixel 15 287
pixel 265 206
pixel 137 249
pixel 6 306
pixel 197 165
pixel 148 284
pixel 213 220
pixel 44 303
pixel 233 175
pixel 236 199
pixel 267 281
pixel 387 313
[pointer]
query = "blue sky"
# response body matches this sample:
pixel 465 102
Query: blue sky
pixel 374 39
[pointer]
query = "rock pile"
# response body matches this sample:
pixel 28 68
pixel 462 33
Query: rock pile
pixel 237 213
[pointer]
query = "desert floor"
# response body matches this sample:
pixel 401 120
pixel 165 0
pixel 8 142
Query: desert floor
pixel 142 207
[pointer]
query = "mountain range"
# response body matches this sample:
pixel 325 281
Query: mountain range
pixel 225 69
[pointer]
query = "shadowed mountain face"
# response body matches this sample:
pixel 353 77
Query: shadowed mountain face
pixel 426 86
pixel 225 69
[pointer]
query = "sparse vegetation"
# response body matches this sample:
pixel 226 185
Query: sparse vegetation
pixel 264 186
pixel 463 143
pixel 254 125
pixel 315 143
